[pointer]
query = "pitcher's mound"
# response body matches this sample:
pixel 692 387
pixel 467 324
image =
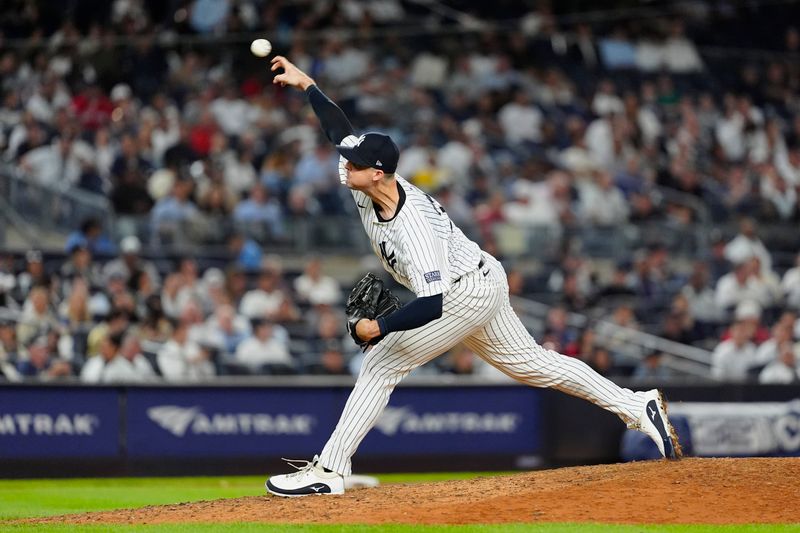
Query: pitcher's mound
pixel 710 491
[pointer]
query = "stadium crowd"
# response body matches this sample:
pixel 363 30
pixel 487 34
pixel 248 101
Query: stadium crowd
pixel 540 124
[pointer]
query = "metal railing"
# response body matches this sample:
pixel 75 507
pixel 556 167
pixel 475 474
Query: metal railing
pixel 48 208
pixel 681 358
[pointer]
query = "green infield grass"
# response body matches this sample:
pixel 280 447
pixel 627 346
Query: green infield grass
pixel 36 498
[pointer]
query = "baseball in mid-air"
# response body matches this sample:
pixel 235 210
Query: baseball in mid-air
pixel 261 47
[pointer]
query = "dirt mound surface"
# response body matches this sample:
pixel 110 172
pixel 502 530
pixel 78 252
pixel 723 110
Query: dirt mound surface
pixel 711 491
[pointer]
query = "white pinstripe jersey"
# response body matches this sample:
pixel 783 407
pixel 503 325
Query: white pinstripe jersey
pixel 420 246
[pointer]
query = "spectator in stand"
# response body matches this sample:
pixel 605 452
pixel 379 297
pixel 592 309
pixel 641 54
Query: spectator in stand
pixel 246 252
pixel 131 366
pixel 700 297
pixel 91 236
pixel 268 300
pixel 601 202
pixel 315 288
pixel 260 215
pixel 784 369
pixel 791 285
pixel 95 368
pixel 116 322
pixel 602 362
pixel 651 368
pixel 33 275
pixel 37 315
pixel 732 359
pixel 42 363
pixel 130 262
pixel 181 359
pixel 749 312
pixel 267 346
pixel 8 352
pixel 331 363
pixel 225 329
pixel 557 327
pixel 746 244
pixel 619 331
pixel 171 215
pixel 738 286
pixel 769 350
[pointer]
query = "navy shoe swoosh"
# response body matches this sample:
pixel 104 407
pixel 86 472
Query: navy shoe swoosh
pixel 658 422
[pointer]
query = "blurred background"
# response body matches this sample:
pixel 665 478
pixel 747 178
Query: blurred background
pixel 175 247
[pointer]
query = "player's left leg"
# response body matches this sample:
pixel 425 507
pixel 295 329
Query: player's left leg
pixel 466 309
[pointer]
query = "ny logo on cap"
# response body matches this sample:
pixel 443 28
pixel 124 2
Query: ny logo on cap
pixel 360 140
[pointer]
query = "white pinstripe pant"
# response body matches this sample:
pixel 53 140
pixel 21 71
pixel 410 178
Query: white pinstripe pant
pixel 477 312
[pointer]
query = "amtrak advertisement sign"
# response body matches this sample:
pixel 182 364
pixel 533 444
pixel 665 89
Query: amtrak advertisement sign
pixel 230 422
pixel 458 420
pixel 58 423
pixel 298 422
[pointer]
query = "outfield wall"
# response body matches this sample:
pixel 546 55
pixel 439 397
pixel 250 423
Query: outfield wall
pixel 246 427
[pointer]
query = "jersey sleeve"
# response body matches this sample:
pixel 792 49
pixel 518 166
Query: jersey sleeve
pixel 427 268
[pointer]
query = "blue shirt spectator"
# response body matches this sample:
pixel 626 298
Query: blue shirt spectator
pixel 261 210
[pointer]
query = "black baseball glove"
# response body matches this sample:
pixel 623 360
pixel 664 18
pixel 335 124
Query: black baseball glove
pixel 368 299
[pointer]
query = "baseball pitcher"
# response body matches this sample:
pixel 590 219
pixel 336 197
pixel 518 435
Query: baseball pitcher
pixel 461 296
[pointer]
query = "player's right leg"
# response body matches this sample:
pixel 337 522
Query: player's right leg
pixel 505 344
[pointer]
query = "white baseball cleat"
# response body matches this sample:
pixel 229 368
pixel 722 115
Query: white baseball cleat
pixel 311 478
pixel 654 423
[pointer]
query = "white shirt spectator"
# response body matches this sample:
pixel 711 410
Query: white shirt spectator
pixel 319 290
pixel 346 65
pixel 118 370
pixel 51 165
pixel 600 142
pixel 534 205
pixel 701 303
pixel 456 158
pixel 184 362
pixel 232 114
pixel 260 304
pixel 269 349
pixel 788 171
pixel 240 174
pixel 680 55
pixel 780 195
pixel 607 103
pixel 730 135
pixel 602 203
pixel 92 371
pixel 730 292
pixel 730 362
pixel 777 373
pixel 413 160
pixel 521 122
pixel 43 108
pixel 742 248
pixel 791 286
pixel 428 71
pixel 766 353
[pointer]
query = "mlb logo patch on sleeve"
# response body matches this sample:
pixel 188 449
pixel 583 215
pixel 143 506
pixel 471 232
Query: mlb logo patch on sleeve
pixel 430 277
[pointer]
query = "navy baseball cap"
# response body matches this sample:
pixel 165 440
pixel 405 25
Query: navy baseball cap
pixel 374 150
